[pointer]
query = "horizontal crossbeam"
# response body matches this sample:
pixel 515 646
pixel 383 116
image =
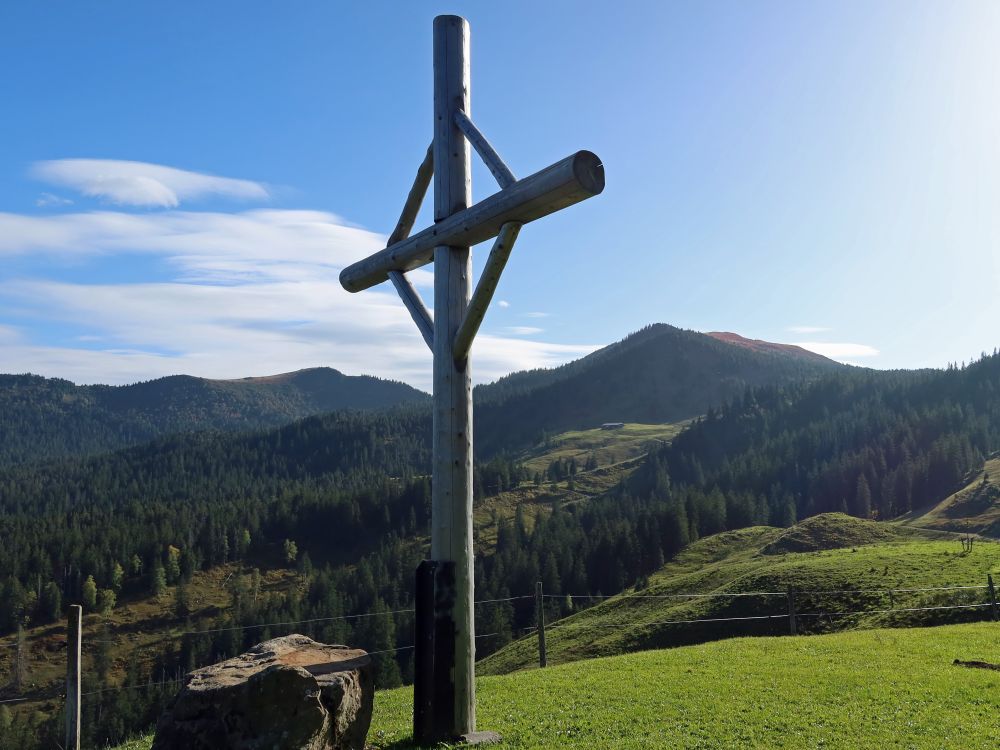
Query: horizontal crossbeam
pixel 566 182
pixel 485 150
pixel 485 289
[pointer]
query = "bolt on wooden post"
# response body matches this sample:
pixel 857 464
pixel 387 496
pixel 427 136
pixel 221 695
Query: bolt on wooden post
pixel 444 695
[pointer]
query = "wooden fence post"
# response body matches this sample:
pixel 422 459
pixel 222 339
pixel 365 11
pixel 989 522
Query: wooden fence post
pixel 791 612
pixel 540 607
pixel 73 643
pixel 993 597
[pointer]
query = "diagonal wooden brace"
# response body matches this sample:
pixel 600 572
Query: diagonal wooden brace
pixel 413 200
pixel 485 150
pixel 485 289
pixel 415 305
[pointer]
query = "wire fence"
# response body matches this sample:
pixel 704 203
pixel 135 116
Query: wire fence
pixel 569 624
pixel 174 635
pixel 627 620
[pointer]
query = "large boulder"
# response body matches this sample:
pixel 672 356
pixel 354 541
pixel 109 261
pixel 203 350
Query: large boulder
pixel 289 693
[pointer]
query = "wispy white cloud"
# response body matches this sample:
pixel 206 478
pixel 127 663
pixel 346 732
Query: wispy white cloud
pixel 263 243
pixel 252 292
pixel 9 335
pixel 503 303
pixel 233 331
pixel 134 183
pixel 839 351
pixel 46 200
pixel 536 314
pixel 523 330
pixel 808 329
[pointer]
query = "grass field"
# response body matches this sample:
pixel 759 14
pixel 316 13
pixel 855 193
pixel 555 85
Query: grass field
pixel 869 557
pixel 856 690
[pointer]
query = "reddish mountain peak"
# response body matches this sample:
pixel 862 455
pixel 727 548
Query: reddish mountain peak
pixel 757 345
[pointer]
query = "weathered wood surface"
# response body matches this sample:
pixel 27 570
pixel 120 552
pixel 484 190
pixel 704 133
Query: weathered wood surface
pixel 563 184
pixel 414 199
pixel 485 290
pixel 414 305
pixel 451 488
pixel 484 148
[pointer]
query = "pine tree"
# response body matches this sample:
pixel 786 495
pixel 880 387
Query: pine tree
pixel 182 605
pixel 862 498
pixel 52 601
pixel 158 580
pixel 173 565
pixel 90 594
pixel 117 576
pixel 106 601
pixel 19 669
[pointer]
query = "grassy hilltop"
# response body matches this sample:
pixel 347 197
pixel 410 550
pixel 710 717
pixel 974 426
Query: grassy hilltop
pixel 832 552
pixel 974 509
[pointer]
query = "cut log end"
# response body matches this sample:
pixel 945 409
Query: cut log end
pixel 589 171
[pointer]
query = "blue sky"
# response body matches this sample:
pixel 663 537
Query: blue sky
pixel 180 183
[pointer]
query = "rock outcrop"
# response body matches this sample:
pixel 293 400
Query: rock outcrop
pixel 289 693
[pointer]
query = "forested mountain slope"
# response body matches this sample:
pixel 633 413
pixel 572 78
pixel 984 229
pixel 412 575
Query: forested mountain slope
pixel 659 374
pixel 42 418
pixel 861 442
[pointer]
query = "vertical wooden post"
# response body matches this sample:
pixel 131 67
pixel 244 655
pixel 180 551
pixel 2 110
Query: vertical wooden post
pixel 423 654
pixel 540 607
pixel 451 527
pixel 892 599
pixel 792 626
pixel 993 597
pixel 73 643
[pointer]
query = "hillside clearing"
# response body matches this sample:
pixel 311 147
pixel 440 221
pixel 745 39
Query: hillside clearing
pixel 605 446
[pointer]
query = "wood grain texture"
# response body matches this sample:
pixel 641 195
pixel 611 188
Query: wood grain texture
pixel 451 493
pixel 558 186
pixel 485 290
pixel 484 148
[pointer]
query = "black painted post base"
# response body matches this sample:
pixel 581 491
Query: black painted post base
pixel 434 653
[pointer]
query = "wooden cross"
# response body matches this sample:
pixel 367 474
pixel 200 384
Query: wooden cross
pixel 444 689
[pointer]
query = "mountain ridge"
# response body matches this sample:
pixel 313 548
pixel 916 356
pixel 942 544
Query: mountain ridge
pixel 656 375
pixel 50 418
